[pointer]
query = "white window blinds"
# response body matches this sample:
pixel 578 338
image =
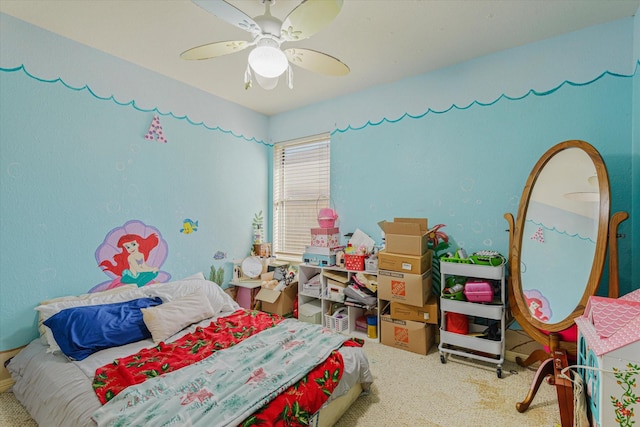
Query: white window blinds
pixel 301 172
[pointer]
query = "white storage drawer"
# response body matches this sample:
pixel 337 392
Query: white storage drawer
pixel 471 342
pixel 472 270
pixel 311 312
pixel 487 311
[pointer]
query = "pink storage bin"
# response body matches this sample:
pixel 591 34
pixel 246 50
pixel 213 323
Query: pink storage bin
pixel 325 237
pixel 478 291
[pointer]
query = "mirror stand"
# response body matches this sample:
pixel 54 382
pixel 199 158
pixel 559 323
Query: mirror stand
pixel 553 362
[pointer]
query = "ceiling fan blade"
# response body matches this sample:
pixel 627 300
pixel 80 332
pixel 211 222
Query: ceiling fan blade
pixel 309 18
pixel 212 50
pixel 317 62
pixel 230 14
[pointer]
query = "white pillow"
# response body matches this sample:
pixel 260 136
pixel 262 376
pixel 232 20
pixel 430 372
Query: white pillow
pixel 82 297
pixel 220 301
pixel 116 290
pixel 198 275
pixel 169 318
pixel 48 308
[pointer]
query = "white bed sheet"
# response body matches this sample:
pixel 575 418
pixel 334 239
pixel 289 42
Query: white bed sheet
pixel 58 392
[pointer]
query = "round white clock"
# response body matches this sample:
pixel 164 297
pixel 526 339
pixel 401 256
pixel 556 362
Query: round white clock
pixel 252 267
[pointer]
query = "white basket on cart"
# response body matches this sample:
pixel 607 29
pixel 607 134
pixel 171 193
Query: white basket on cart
pixel 338 321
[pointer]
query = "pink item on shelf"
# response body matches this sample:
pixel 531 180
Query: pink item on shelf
pixel 478 291
pixel 327 218
pixel 325 237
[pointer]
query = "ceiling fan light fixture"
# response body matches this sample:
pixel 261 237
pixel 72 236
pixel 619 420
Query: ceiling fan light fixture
pixel 267 83
pixel 268 61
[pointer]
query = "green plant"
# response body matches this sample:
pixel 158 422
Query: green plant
pixel 258 227
pixel 216 275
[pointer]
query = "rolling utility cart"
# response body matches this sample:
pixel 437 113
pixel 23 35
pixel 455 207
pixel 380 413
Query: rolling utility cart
pixel 482 317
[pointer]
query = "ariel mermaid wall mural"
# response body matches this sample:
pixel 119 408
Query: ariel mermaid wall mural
pixel 132 254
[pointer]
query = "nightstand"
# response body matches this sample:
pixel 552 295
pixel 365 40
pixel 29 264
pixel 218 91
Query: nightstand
pixel 247 290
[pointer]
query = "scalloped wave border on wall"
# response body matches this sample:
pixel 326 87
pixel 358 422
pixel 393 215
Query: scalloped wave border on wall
pixel 133 104
pixel 339 130
pixel 487 104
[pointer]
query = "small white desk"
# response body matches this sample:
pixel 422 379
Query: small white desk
pixel 247 290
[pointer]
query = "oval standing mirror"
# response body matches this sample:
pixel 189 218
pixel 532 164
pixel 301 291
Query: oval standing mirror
pixel 557 252
pixel 560 238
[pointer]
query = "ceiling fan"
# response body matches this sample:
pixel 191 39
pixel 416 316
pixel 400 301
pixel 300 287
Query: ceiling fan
pixel 267 60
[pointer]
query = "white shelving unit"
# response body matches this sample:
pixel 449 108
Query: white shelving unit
pixel 327 299
pixel 472 346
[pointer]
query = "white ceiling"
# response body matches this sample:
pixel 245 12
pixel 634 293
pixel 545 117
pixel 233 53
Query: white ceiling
pixel 380 40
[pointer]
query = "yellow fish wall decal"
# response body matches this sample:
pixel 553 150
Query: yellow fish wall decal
pixel 189 226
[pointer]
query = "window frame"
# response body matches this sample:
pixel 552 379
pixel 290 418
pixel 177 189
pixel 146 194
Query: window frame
pixel 300 189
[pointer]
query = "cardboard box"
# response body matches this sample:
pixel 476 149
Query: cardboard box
pixel 416 337
pixel 278 302
pixel 262 249
pixel 428 313
pixel 413 264
pixel 410 289
pixel 407 236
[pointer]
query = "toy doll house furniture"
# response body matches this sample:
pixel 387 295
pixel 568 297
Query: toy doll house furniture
pixel 609 358
pixel 557 252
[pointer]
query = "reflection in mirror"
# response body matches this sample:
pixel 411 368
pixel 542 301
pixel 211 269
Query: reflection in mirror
pixel 559 235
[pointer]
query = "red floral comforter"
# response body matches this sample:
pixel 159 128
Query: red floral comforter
pixel 291 408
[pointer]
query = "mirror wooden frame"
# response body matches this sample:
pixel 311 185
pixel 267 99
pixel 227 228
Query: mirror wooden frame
pixel 529 323
pixel 553 361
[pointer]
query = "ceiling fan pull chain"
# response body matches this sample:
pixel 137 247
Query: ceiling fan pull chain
pixel 290 76
pixel 247 78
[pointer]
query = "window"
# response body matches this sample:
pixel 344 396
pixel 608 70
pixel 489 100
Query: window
pixel 300 188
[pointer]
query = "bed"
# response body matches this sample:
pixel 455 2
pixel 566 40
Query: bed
pixel 183 353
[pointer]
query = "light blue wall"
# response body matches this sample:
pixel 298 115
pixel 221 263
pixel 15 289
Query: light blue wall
pixel 455 145
pixel 575 57
pixel 75 165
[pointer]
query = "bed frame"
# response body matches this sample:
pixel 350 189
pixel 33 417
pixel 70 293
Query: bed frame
pixel 330 414
pixel 5 378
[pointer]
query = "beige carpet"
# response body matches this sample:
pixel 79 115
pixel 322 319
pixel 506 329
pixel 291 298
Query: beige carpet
pixel 414 390
pixel 419 391
pixel 12 413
